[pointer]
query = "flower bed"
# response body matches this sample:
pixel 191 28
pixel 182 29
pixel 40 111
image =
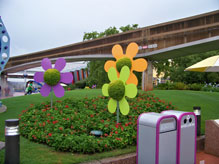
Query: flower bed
pixel 68 124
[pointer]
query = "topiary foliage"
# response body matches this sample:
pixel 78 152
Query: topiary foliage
pixel 123 62
pixel 116 90
pixel 52 77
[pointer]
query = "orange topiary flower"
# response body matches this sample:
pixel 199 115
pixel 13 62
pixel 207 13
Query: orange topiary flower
pixel 138 65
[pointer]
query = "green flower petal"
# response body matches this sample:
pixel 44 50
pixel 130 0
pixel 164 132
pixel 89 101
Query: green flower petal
pixel 124 106
pixel 112 104
pixel 112 74
pixel 105 89
pixel 124 74
pixel 131 90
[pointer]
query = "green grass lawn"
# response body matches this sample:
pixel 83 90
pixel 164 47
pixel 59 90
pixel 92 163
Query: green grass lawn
pixel 37 153
pixel 185 100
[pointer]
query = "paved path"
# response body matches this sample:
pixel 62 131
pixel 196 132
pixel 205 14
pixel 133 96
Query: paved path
pixel 2 145
pixel 201 158
pixel 15 94
pixel 3 108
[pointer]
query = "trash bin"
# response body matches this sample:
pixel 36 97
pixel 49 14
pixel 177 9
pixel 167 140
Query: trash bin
pixel 157 139
pixel 186 136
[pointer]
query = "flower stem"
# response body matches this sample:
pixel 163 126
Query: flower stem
pixel 117 112
pixel 51 98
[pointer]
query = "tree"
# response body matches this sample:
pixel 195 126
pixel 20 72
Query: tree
pixel 174 69
pixel 97 74
pixel 128 27
pixel 108 31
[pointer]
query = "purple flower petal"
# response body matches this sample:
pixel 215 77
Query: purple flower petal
pixel 66 77
pixel 38 77
pixel 45 90
pixel 60 64
pixel 59 90
pixel 46 64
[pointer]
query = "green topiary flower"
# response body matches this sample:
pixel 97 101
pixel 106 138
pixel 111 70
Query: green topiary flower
pixel 117 90
pixel 123 62
pixel 52 77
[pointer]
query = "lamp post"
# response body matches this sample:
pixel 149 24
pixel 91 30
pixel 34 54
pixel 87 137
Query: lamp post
pixel 12 141
pixel 197 111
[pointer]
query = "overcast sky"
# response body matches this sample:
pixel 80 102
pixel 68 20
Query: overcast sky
pixel 35 25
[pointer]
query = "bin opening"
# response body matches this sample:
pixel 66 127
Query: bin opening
pixel 167 124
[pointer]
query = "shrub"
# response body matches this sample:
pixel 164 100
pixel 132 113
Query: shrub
pixel 210 88
pixel 162 86
pixel 80 84
pixel 215 89
pixel 68 124
pixel 195 87
pixel 70 87
pixel 179 86
pixel 166 86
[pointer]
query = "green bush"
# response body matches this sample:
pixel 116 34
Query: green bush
pixel 68 124
pixel 210 88
pixel 179 86
pixel 70 87
pixel 182 86
pixel 166 86
pixel 171 86
pixel 80 84
pixel 207 89
pixel 92 81
pixel 215 89
pixel 195 87
pixel 162 86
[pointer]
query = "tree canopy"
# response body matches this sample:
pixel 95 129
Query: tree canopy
pixel 97 75
pixel 108 31
pixel 174 69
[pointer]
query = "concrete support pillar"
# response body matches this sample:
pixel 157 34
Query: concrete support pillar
pixel 147 78
pixel 3 82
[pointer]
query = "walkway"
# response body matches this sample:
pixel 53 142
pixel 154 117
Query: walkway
pixel 201 158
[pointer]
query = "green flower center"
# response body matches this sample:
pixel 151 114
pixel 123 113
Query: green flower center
pixel 52 77
pixel 123 62
pixel 116 89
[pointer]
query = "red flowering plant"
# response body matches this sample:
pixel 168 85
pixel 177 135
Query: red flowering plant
pixel 68 124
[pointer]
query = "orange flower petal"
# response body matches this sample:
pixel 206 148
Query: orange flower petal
pixel 117 74
pixel 117 51
pixel 109 64
pixel 132 79
pixel 132 50
pixel 139 65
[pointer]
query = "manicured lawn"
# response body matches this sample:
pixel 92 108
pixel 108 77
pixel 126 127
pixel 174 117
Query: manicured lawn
pixel 185 100
pixel 37 153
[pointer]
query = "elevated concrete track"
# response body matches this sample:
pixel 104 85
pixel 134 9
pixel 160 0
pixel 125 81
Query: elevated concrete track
pixel 181 37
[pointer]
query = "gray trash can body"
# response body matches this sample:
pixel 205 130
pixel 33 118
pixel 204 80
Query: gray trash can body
pixel 156 139
pixel 186 136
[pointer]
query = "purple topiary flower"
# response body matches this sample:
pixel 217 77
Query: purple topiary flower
pixel 53 77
